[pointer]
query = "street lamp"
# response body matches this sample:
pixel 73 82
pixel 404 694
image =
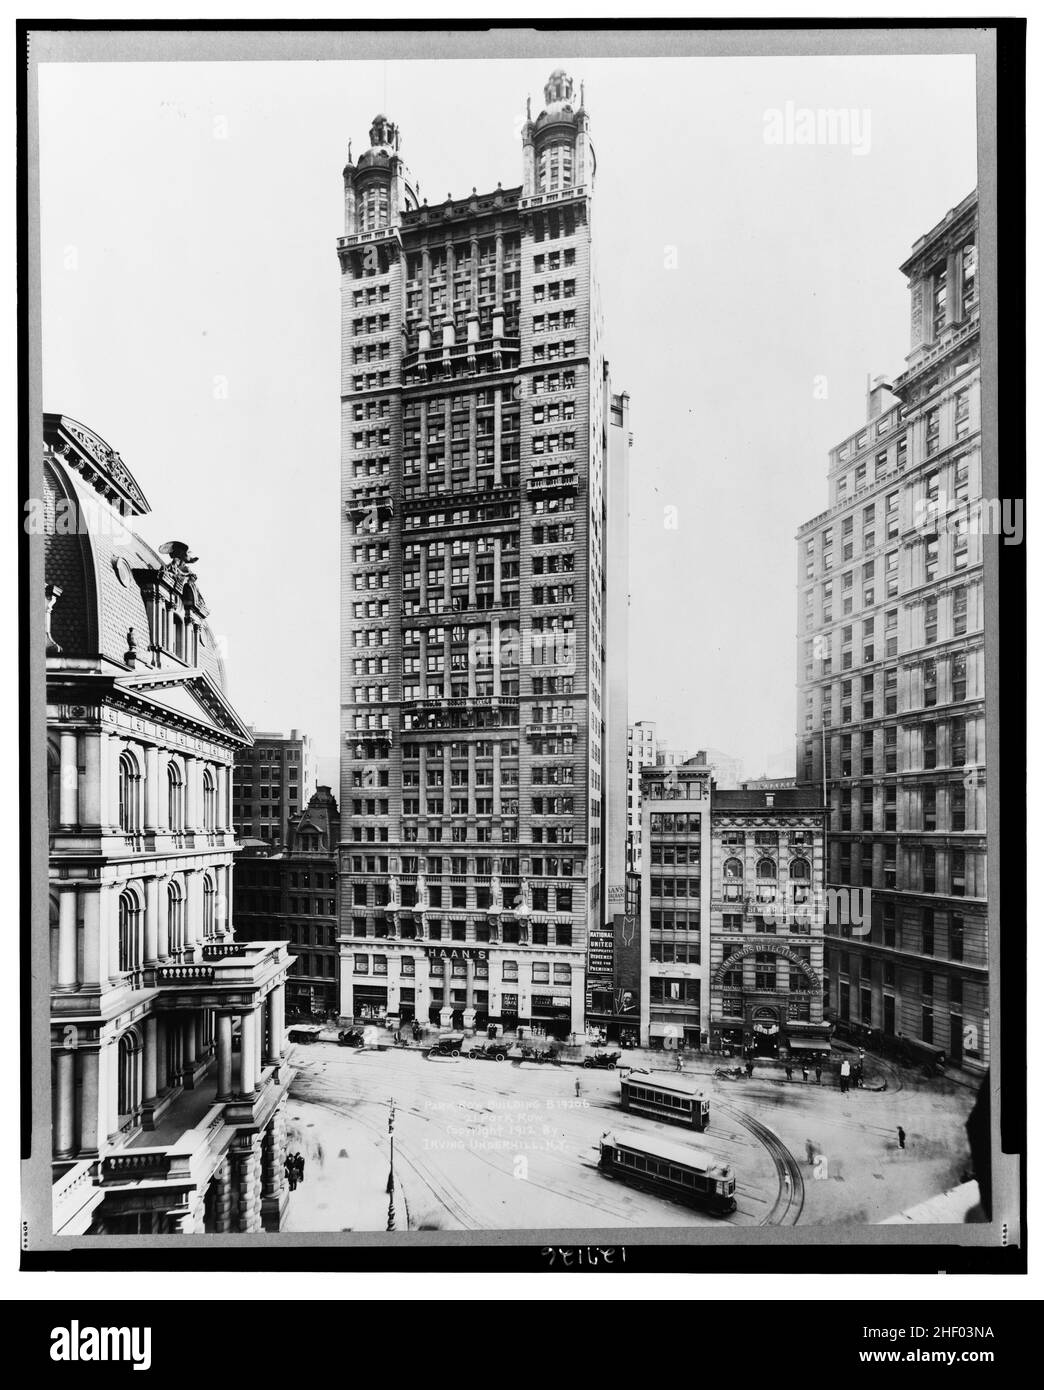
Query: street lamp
pixel 390 1188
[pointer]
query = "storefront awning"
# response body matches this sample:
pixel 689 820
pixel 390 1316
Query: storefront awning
pixel 665 1030
pixel 809 1044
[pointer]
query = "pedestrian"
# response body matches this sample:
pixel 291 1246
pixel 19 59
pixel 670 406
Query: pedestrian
pixel 902 1136
pixel 750 1068
pixel 678 1062
pixel 291 1173
pixel 819 1074
pixel 790 1072
pixel 577 1083
pixel 810 1152
pixel 804 1071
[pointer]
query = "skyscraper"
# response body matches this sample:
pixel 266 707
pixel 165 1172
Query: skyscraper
pixel 481 476
pixel 891 713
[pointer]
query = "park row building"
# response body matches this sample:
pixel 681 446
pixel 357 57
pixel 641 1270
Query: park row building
pixel 891 673
pixel 167 1075
pixel 484 474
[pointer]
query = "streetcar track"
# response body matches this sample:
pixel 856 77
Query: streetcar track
pixel 790 1200
pixel 450 1199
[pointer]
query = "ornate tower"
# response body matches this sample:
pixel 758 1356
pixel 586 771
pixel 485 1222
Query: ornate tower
pixel 557 156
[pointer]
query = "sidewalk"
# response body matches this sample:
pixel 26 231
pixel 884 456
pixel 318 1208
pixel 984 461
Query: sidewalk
pixel 694 1064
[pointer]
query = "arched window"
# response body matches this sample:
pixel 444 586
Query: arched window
pixel 732 872
pixel 175 798
pixel 175 916
pixel 129 1076
pixel 766 869
pixel 209 801
pixel 129 932
pixel 800 868
pixel 209 897
pixel 130 794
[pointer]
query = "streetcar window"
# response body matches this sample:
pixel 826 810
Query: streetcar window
pixel 675 1174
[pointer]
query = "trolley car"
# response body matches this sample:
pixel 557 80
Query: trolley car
pixel 675 1099
pixel 674 1170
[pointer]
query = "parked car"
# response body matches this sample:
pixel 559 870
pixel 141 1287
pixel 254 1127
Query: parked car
pixel 448 1046
pixel 492 1052
pixel 304 1033
pixel 351 1037
pixel 534 1054
pixel 607 1060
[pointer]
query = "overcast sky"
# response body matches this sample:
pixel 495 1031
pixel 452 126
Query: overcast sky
pixel 191 317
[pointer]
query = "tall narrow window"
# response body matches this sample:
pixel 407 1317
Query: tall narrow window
pixel 130 794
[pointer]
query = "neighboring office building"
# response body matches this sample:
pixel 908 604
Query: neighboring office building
pixel 891 672
pixel 293 897
pixel 271 781
pixel 158 1127
pixel 731 943
pixel 641 752
pixel 481 477
pixel 767 920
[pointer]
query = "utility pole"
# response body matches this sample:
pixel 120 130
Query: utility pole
pixel 390 1189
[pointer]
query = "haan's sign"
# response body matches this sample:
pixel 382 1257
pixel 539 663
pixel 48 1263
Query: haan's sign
pixel 435 953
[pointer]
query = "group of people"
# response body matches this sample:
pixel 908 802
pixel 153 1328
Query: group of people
pixel 294 1166
pixel 789 1066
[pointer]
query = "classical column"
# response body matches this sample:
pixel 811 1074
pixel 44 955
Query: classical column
pixel 148 1070
pixel 498 301
pixel 67 938
pixel 191 793
pixel 224 1056
pixel 275 1025
pixel 89 1098
pixel 221 793
pixel 260 1017
pixel 152 914
pixel 162 919
pixel 151 788
pixel 470 986
pixel 65 1115
pixel 193 910
pixel 162 1072
pixel 94 788
pixel 247 1053
pixel 200 1035
pixel 68 799
pixel 248 1182
pixel 222 1196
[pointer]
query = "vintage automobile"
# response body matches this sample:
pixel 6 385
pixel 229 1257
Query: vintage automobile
pixel 535 1054
pixel 492 1052
pixel 351 1037
pixel 304 1033
pixel 607 1060
pixel 449 1046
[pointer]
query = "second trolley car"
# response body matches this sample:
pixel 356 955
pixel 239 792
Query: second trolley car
pixel 675 1099
pixel 673 1170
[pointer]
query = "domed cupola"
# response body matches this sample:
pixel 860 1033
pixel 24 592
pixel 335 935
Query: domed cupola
pixel 558 91
pixel 379 187
pixel 556 151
